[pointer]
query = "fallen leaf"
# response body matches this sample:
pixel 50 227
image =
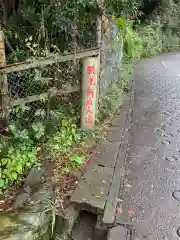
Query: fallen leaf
pixel 130 212
pixel 86 162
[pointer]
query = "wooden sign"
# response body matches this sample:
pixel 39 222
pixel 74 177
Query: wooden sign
pixel 89 92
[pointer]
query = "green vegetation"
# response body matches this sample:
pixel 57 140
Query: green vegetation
pixel 44 27
pixel 50 209
pixel 160 31
pixel 48 128
pixel 23 150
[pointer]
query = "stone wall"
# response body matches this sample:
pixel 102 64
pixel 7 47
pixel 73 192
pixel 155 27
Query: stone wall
pixel 31 220
pixel 111 58
pixel 24 226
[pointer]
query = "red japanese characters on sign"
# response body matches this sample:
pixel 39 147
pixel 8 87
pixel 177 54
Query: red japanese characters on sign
pixel 91 70
pixel 90 96
pixel 89 92
pixel 92 81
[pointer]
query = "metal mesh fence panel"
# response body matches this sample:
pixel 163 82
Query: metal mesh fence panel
pixel 111 56
pixel 36 94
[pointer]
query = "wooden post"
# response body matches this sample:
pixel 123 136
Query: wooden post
pixel 99 45
pixel 89 92
pixel 3 81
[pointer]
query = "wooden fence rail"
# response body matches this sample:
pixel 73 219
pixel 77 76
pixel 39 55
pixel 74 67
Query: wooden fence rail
pixel 52 92
pixel 56 58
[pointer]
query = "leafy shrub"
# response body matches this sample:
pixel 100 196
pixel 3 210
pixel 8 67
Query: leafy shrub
pixel 21 154
pixel 159 33
pixel 62 140
pixel 133 47
pixel 19 158
pixel 46 26
pixel 22 149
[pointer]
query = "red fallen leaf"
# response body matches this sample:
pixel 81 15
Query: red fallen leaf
pixel 86 161
pixel 130 212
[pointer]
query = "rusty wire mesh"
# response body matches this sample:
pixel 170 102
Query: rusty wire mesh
pixel 35 81
pixel 36 94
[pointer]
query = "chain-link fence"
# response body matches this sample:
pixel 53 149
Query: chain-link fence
pixel 40 94
pixel 49 92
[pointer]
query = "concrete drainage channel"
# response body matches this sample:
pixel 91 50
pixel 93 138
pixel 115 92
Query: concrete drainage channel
pixel 85 226
pixel 95 199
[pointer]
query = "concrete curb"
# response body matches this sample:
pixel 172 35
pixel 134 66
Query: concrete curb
pixel 112 201
pixel 119 232
pixel 98 191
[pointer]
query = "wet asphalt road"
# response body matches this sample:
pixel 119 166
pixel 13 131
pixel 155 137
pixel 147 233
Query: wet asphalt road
pixel 152 177
pixel 150 189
